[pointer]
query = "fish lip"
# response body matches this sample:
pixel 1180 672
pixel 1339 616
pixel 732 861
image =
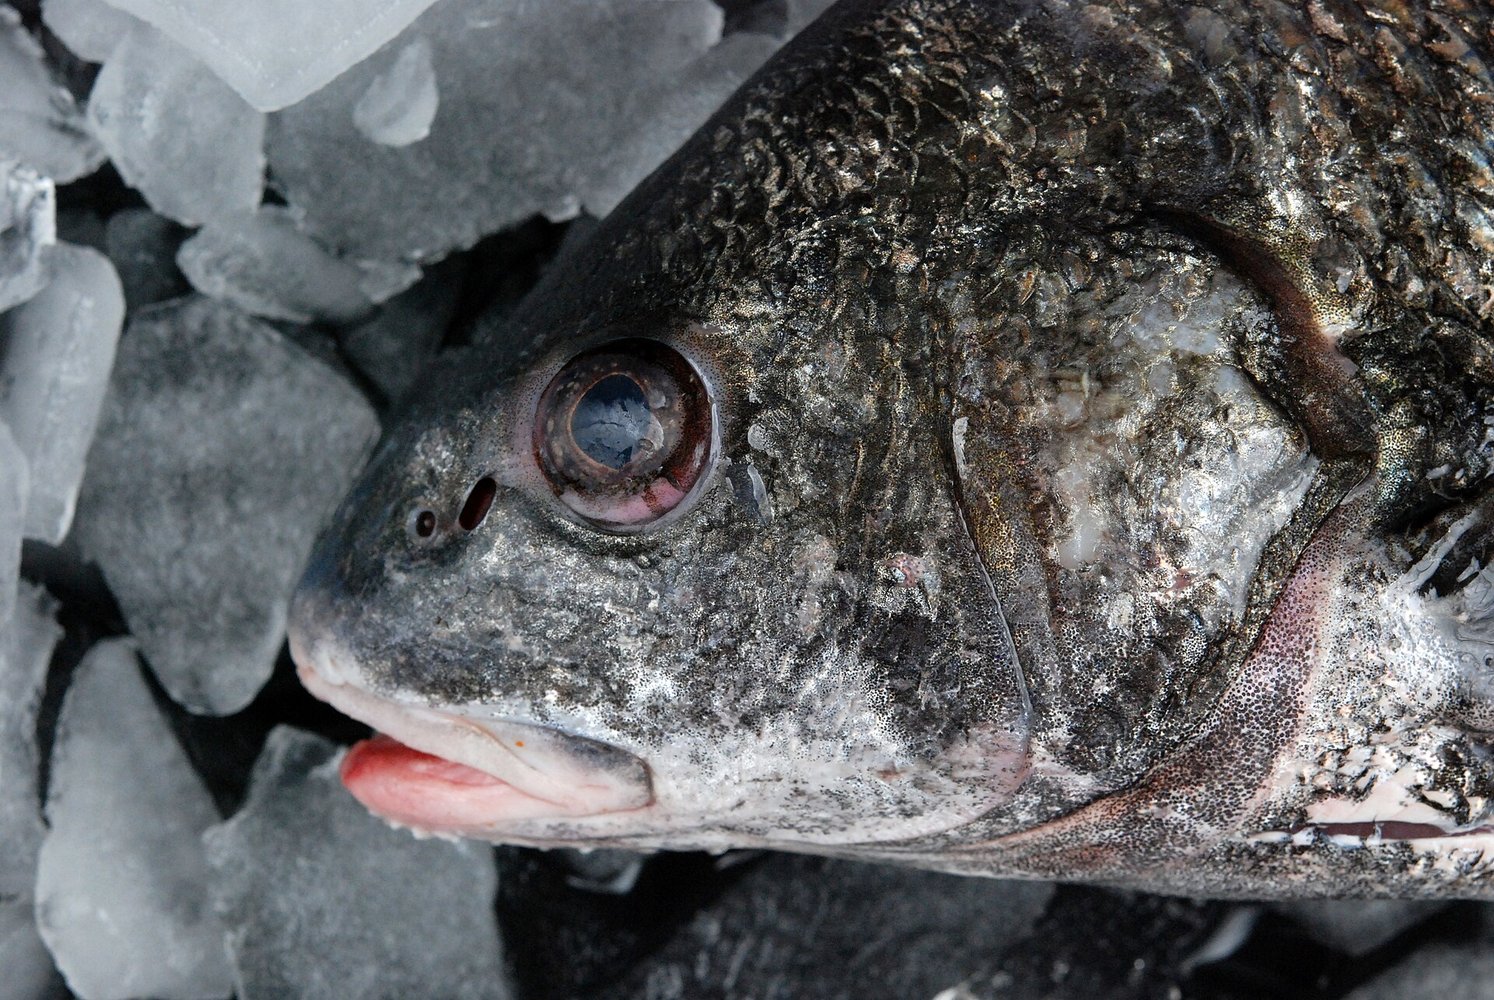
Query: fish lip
pixel 544 763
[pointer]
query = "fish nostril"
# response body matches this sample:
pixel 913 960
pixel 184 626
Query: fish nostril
pixel 478 502
pixel 425 523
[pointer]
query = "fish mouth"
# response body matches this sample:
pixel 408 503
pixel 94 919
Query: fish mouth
pixel 444 773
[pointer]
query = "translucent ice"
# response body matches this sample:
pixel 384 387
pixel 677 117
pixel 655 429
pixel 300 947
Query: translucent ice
pixel 176 132
pixel 15 487
pixel 400 103
pixel 221 448
pixel 28 227
pixel 275 52
pixel 676 112
pixel 143 247
pixel 121 884
pixel 90 28
pixel 500 148
pixel 261 263
pixel 39 123
pixel 26 644
pixel 27 966
pixel 364 910
pixel 57 351
pixel 1359 926
pixel 391 348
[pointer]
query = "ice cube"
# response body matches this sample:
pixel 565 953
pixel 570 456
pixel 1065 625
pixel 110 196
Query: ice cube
pixel 57 351
pixel 364 910
pixel 501 148
pixel 1359 926
pixel 678 109
pixel 221 448
pixel 26 644
pixel 28 227
pixel 814 927
pixel 391 348
pixel 261 263
pixel 275 52
pixel 143 247
pixel 121 885
pixel 90 28
pixel 400 103
pixel 15 487
pixel 176 132
pixel 25 961
pixel 39 123
pixel 1442 970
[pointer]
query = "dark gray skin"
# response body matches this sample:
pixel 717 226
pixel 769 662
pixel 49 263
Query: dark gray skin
pixel 1099 467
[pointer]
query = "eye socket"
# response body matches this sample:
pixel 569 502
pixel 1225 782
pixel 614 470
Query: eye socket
pixel 623 433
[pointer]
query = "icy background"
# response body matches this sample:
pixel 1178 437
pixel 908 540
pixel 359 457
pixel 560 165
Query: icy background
pixel 230 233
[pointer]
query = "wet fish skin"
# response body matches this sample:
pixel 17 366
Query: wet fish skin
pixel 993 298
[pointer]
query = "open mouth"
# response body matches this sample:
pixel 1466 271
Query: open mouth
pixel 440 772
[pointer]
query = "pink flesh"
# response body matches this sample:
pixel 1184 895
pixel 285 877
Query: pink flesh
pixel 431 793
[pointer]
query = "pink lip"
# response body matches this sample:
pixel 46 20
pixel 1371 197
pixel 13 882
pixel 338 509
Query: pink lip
pixel 427 792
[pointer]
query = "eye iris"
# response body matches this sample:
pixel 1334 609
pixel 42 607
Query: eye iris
pixel 612 423
pixel 624 432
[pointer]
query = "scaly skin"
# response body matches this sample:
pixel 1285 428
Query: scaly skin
pixel 1119 381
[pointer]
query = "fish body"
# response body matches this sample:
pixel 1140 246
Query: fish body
pixel 1012 437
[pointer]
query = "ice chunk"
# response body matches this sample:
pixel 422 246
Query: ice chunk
pixel 121 885
pixel 261 263
pixel 15 487
pixel 143 247
pixel 176 132
pixel 90 28
pixel 678 110
pixel 801 13
pixel 275 52
pixel 1444 971
pixel 366 911
pixel 814 927
pixel 1359 926
pixel 391 348
pixel 58 348
pixel 24 960
pixel 28 226
pixel 400 103
pixel 221 448
pixel 39 123
pixel 500 148
pixel 26 644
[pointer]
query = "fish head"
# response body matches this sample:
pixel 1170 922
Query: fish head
pixel 672 580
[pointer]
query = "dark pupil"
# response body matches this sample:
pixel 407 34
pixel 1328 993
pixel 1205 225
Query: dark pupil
pixel 612 422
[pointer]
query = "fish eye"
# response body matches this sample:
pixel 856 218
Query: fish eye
pixel 623 433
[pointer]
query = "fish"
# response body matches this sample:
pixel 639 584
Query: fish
pixel 1026 438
